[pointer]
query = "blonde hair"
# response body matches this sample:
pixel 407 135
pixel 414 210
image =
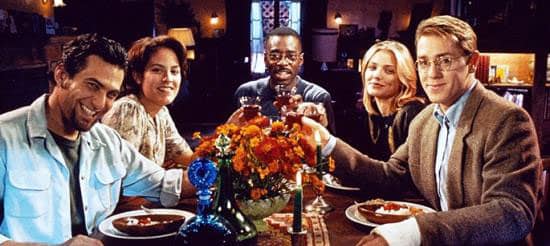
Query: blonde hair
pixel 451 27
pixel 406 74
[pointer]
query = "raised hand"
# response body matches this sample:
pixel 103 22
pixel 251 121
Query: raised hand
pixel 313 111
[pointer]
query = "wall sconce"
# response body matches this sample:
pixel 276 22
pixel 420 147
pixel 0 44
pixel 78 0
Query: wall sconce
pixel 338 18
pixel 214 19
pixel 184 36
pixel 59 3
pixel 44 2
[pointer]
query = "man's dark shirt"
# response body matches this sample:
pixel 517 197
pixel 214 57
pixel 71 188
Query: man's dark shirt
pixel 310 92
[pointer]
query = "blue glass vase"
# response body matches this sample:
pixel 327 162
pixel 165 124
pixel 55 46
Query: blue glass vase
pixel 205 228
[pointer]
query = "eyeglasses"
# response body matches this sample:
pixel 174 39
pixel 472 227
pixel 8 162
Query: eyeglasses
pixel 278 56
pixel 444 63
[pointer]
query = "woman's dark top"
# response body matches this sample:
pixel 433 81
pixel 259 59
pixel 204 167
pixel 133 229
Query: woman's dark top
pixel 379 136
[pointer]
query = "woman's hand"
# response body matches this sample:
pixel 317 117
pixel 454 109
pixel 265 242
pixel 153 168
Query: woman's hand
pixel 313 111
pixel 310 127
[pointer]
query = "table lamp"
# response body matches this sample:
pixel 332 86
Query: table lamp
pixel 324 44
pixel 185 36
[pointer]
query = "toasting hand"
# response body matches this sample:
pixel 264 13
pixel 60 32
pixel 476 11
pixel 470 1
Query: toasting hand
pixel 313 111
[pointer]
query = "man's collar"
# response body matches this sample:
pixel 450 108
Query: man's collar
pixel 454 111
pixel 37 124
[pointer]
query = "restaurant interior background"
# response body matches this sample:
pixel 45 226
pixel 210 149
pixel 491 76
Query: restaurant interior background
pixel 513 36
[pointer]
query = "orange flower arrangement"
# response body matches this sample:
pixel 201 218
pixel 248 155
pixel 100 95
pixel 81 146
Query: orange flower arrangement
pixel 264 156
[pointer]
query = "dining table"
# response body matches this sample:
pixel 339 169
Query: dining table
pixel 341 230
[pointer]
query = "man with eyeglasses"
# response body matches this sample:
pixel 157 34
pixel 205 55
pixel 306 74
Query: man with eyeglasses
pixel 283 57
pixel 472 155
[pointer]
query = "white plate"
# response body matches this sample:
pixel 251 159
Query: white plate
pixel 106 227
pixel 354 215
pixel 333 182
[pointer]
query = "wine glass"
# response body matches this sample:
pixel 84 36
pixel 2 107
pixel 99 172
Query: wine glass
pixel 283 97
pixel 314 111
pixel 251 106
pixel 319 204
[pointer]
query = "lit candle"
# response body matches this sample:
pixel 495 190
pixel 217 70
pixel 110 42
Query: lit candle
pixel 317 138
pixel 297 216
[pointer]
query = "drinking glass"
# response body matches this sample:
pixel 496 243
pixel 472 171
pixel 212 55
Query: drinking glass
pixel 314 111
pixel 251 106
pixel 284 95
pixel 319 204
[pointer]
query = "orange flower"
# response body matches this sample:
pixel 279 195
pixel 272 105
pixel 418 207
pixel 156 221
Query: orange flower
pixel 273 167
pixel 263 172
pixel 251 131
pixel 259 121
pixel 255 193
pixel 264 157
pixel 197 135
pixel 239 160
pixel 277 127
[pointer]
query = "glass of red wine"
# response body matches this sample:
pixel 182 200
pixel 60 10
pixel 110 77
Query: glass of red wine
pixel 251 106
pixel 284 95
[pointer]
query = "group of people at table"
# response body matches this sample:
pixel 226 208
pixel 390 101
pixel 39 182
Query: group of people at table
pixel 469 154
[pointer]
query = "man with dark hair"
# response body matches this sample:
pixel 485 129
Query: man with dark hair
pixel 471 154
pixel 283 57
pixel 61 174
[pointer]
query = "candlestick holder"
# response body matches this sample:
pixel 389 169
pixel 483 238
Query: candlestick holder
pixel 291 231
pixel 298 238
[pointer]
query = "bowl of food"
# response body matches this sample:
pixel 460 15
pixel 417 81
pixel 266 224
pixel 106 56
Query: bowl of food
pixel 382 212
pixel 149 224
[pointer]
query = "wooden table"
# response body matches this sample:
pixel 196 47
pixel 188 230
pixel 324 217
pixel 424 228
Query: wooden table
pixel 341 230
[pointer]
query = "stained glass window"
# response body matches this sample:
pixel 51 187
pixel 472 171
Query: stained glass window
pixel 262 21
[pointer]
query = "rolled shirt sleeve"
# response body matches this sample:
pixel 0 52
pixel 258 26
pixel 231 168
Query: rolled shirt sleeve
pixel 171 187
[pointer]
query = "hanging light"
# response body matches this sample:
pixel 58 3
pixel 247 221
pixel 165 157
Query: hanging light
pixel 59 3
pixel 214 19
pixel 338 18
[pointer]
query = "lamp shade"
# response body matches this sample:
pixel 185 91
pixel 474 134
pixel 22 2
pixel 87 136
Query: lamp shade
pixel 324 43
pixel 184 35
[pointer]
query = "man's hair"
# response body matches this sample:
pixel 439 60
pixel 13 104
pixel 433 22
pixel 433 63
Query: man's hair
pixel 405 71
pixel 451 27
pixel 140 53
pixel 76 51
pixel 283 31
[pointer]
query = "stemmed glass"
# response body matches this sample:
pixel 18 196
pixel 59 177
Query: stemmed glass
pixel 283 99
pixel 315 112
pixel 319 204
pixel 251 106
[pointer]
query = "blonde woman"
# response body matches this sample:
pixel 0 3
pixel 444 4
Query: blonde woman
pixel 389 97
